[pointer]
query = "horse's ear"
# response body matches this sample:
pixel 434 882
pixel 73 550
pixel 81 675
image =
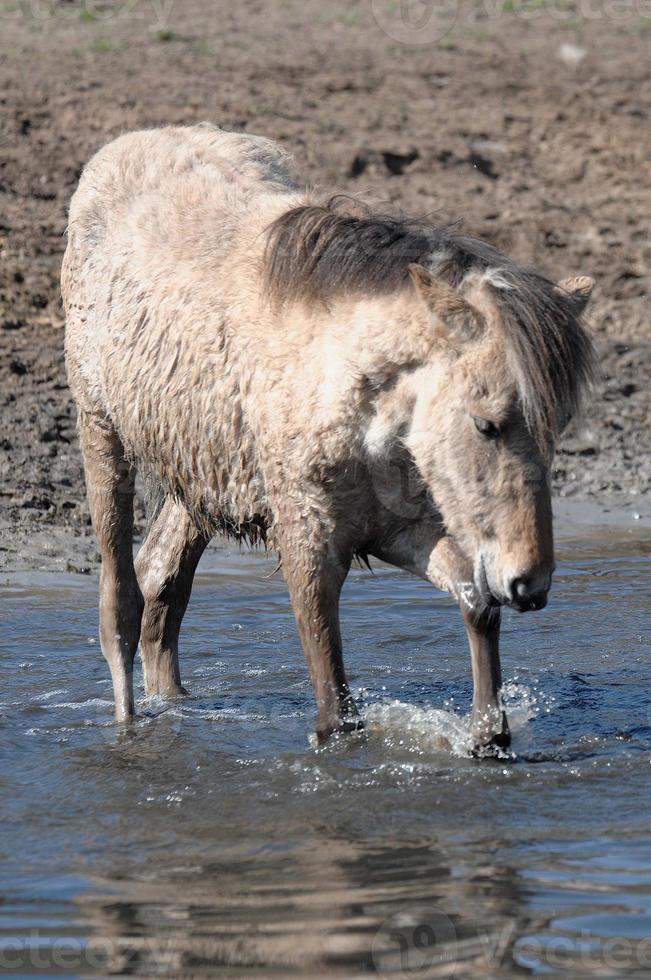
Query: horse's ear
pixel 579 289
pixel 461 319
pixel 437 294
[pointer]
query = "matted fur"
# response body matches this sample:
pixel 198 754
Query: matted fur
pixel 352 415
pixel 316 251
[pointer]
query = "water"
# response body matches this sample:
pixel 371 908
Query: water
pixel 213 839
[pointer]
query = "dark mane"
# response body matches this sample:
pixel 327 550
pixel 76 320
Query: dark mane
pixel 315 252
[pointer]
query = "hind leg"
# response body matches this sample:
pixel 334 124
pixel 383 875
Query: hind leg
pixel 165 566
pixel 110 488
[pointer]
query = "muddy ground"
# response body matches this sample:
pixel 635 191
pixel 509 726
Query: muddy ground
pixel 530 121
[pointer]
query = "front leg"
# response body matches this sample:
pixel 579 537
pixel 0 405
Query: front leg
pixel 425 550
pixel 489 726
pixel 315 575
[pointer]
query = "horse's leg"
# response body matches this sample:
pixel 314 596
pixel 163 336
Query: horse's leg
pixel 489 724
pixel 425 551
pixel 110 487
pixel 315 577
pixel 165 566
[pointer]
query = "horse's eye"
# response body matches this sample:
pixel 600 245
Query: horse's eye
pixel 486 427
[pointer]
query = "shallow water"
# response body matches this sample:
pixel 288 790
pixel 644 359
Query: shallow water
pixel 213 839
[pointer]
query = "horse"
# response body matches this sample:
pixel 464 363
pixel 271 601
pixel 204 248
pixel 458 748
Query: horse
pixel 317 376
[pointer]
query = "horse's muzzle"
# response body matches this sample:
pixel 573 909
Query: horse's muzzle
pixel 525 596
pixel 524 593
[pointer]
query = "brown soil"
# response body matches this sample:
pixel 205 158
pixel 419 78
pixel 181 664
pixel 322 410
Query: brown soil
pixel 533 126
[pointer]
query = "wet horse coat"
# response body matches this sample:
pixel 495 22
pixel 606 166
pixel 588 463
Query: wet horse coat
pixel 335 383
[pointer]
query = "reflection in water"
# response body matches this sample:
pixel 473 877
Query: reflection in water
pixel 211 839
pixel 327 906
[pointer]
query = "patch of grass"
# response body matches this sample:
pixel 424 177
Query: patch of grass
pixel 526 6
pixel 350 17
pixel 570 23
pixel 476 34
pixel 165 36
pixel 88 16
pixel 102 44
pixel 202 47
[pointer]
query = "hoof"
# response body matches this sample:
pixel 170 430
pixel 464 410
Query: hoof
pixel 352 725
pixel 177 692
pixel 494 748
pixel 346 726
pixel 493 745
pixel 170 692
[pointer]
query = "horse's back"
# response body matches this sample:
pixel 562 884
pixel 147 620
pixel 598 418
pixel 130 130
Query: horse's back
pixel 146 283
pixel 151 223
pixel 140 165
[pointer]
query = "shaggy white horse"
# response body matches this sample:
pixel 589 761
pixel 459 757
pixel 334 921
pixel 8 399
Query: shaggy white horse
pixel 332 381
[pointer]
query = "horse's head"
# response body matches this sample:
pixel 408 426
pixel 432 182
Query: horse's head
pixel 509 363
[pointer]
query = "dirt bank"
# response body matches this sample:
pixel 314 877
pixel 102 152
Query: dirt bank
pixel 533 129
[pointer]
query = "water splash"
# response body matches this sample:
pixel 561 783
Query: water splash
pixel 418 731
pixel 422 731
